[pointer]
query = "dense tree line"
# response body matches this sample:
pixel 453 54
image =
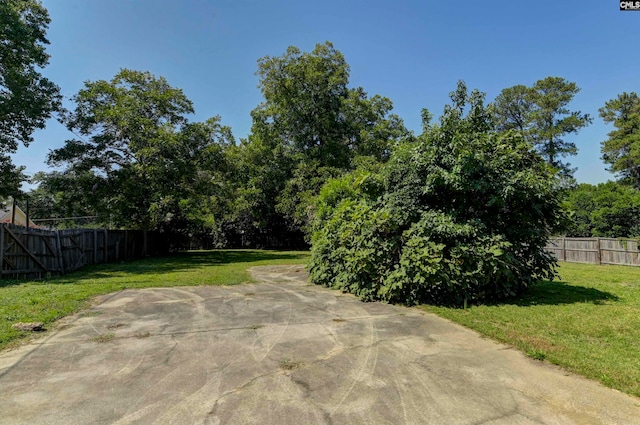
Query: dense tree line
pixel 138 162
pixel 612 209
pixel 391 215
pixel 609 209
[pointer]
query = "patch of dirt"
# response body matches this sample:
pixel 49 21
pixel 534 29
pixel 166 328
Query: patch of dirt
pixel 29 327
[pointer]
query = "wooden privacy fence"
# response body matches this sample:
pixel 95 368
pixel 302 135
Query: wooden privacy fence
pixel 34 253
pixel 595 250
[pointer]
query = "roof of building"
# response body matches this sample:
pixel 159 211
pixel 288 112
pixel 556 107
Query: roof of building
pixel 6 214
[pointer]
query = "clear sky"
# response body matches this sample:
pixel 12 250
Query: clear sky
pixel 413 52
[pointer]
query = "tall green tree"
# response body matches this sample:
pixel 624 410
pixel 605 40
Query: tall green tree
pixel 316 125
pixel 541 114
pixel 553 121
pixel 27 99
pixel 304 95
pixel 138 161
pixel 512 109
pixel 622 149
pixel 259 169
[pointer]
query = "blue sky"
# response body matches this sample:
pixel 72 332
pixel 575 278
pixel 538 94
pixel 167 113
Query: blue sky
pixel 413 52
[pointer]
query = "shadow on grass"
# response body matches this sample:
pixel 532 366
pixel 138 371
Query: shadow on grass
pixel 170 263
pixel 10 282
pixel 557 293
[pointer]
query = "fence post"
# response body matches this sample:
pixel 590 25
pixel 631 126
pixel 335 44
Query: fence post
pixel 1 249
pixel 564 249
pixel 60 255
pixel 144 243
pixel 105 257
pixel 598 252
pixel 81 261
pixel 95 246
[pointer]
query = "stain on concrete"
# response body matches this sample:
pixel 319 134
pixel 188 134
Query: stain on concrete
pixel 284 352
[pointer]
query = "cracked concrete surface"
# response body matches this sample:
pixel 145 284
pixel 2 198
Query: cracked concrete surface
pixel 284 352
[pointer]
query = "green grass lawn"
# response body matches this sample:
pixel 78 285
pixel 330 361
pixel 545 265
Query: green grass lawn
pixel 48 300
pixel 588 323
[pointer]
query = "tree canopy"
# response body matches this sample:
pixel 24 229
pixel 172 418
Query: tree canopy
pixel 608 210
pixel 512 109
pixel 304 95
pixel 137 161
pixel 541 114
pixel 310 127
pixel 622 149
pixel 27 99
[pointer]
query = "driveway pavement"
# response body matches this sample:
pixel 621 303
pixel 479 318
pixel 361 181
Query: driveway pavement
pixel 284 352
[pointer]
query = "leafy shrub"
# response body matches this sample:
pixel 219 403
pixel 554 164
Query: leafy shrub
pixel 355 247
pixel 442 260
pixel 357 185
pixel 463 215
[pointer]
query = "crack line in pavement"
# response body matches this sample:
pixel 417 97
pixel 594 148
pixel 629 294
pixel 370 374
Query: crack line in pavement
pixel 265 326
pixel 283 330
pixel 373 341
pixel 240 388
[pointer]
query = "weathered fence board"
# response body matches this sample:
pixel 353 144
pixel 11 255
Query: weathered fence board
pixel 28 251
pixel 595 250
pixel 34 253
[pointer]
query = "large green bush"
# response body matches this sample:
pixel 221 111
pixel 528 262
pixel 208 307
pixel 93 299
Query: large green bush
pixel 461 215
